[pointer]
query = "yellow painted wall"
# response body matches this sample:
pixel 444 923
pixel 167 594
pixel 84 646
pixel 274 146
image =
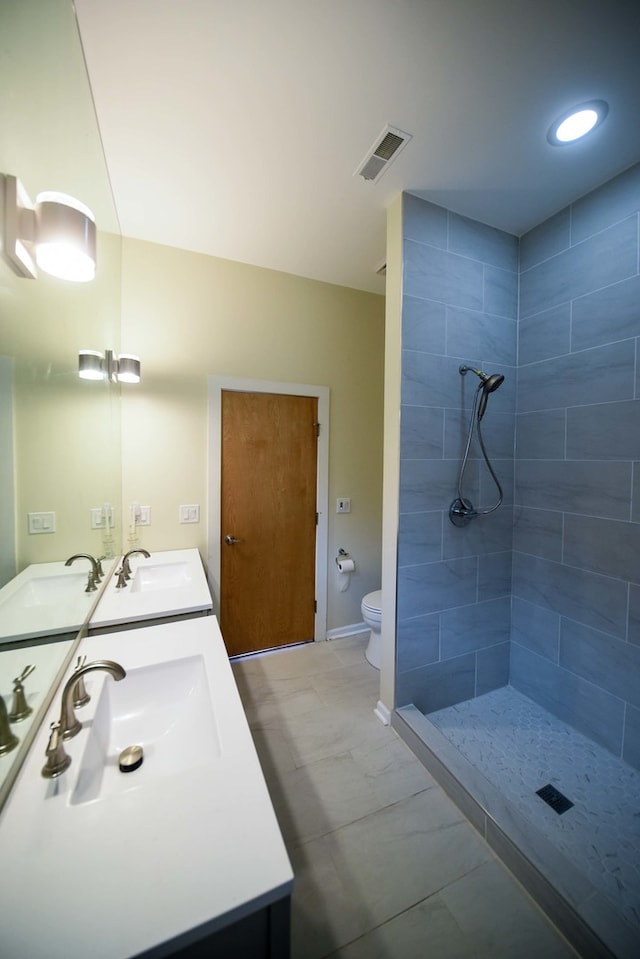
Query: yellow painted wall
pixel 190 316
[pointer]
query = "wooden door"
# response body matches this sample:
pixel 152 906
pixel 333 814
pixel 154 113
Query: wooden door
pixel 268 520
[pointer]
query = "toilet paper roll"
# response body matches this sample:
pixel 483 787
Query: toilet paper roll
pixel 346 565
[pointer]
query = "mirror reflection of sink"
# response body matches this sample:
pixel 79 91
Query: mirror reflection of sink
pixel 50 590
pixel 149 577
pixel 165 708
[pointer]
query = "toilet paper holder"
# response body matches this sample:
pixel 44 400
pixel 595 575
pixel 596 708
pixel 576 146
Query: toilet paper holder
pixel 343 561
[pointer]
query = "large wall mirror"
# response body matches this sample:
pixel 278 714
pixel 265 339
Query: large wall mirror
pixel 59 435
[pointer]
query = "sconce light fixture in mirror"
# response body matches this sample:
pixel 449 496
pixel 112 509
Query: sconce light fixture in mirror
pixel 57 232
pixel 93 365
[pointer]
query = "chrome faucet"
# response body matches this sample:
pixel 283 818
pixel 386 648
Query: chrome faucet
pixel 124 573
pixel 96 570
pixel 68 726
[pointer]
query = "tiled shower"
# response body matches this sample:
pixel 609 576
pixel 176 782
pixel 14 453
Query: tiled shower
pixel 543 595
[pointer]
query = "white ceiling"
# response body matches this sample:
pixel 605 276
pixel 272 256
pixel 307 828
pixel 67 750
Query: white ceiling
pixel 234 127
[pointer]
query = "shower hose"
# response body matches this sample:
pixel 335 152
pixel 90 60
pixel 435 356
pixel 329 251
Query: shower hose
pixel 461 511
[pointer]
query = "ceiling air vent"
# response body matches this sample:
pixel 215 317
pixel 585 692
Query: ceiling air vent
pixel 385 149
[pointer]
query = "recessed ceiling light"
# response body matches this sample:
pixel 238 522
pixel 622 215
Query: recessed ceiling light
pixel 577 122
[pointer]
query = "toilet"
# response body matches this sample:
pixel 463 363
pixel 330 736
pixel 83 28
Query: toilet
pixel 371 608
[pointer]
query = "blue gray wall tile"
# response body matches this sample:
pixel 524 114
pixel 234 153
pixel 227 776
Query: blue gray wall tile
pixel 618 305
pixel 545 335
pixel 538 531
pixel 536 628
pixel 601 375
pixel 423 325
pixel 418 642
pixel 610 663
pixel 560 568
pixel 581 486
pixel 546 240
pixel 598 261
pixel 612 202
pixel 605 431
pixel 459 578
pixel 483 243
pixel 604 546
pixel 541 435
pixel 631 744
pixel 578 702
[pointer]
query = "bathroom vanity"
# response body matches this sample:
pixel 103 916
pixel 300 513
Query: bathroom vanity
pixel 166 586
pixel 181 857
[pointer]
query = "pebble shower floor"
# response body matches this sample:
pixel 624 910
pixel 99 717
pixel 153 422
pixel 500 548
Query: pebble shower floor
pixel 518 746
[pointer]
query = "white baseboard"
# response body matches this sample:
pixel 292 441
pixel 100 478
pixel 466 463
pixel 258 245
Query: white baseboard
pixel 383 713
pixel 342 632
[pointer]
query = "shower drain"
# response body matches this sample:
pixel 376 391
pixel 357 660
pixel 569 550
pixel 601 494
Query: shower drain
pixel 554 798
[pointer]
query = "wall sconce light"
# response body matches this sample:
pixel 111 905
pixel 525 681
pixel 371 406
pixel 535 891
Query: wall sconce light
pixel 97 366
pixel 57 232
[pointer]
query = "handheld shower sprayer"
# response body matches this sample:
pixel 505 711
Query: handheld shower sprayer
pixel 489 384
pixel 461 511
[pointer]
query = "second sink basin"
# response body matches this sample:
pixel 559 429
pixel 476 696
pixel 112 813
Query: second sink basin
pixel 166 709
pixel 160 576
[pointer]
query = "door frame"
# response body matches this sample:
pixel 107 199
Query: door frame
pixel 215 386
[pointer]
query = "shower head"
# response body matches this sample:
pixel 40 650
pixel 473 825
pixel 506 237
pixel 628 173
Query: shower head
pixel 489 385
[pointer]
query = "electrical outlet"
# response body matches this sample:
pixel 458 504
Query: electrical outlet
pixel 343 504
pixel 144 516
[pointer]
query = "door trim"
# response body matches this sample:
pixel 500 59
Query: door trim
pixel 215 386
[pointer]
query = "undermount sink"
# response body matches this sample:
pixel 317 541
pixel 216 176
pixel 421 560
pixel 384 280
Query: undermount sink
pixel 160 576
pixel 168 583
pixel 50 590
pixel 164 707
pixel 45 599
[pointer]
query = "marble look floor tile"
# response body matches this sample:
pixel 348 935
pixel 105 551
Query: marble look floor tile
pixel 351 652
pixel 262 712
pixel 425 930
pixel 391 770
pixel 363 692
pixel 319 797
pixel 274 753
pixel 523 930
pixel 324 912
pixel 328 732
pixel 385 865
pixel 396 857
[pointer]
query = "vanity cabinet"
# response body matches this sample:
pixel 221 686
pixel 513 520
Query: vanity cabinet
pixel 182 857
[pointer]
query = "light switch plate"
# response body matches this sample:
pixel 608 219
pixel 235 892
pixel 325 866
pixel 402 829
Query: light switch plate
pixel 41 522
pixel 189 513
pixel 343 504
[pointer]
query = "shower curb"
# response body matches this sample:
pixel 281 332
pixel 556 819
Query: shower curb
pixel 579 911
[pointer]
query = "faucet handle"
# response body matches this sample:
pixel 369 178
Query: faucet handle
pixel 23 675
pixel 57 759
pixel 122 579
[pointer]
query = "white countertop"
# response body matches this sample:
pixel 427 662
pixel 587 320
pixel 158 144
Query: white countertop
pixel 115 876
pixel 169 583
pixel 45 599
